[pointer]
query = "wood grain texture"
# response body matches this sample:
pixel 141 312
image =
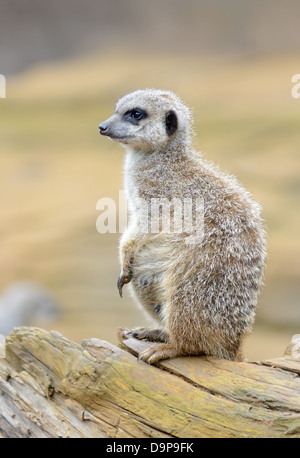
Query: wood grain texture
pixel 52 387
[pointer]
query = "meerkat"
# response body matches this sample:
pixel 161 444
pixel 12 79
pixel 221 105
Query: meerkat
pixel 202 296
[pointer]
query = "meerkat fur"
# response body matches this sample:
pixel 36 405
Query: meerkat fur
pixel 202 295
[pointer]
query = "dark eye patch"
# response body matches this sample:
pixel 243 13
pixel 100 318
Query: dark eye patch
pixel 135 115
pixel 171 122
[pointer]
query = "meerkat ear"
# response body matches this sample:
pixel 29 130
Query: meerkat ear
pixel 171 122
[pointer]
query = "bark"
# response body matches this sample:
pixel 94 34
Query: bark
pixel 52 387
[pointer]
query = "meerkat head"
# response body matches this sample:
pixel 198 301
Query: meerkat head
pixel 149 120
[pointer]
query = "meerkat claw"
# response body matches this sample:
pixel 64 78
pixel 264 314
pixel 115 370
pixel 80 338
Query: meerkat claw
pixel 123 334
pixel 122 280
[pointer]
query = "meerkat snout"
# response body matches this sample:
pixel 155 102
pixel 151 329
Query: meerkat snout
pixel 103 129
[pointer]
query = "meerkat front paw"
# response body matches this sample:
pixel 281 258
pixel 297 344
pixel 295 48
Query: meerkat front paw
pixel 158 352
pixel 124 278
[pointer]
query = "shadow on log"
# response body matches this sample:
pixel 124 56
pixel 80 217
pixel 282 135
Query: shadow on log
pixel 52 387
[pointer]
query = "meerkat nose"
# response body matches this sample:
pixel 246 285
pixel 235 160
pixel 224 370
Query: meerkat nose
pixel 103 129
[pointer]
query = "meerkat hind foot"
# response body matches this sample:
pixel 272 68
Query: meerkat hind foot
pixel 156 353
pixel 153 335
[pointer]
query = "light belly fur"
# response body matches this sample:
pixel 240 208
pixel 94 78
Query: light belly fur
pixel 149 269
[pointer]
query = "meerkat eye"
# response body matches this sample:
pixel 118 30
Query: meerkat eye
pixel 135 115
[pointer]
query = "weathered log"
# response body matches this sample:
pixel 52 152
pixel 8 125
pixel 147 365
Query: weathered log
pixel 52 387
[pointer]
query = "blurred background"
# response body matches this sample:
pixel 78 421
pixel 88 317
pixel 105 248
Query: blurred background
pixel 66 63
